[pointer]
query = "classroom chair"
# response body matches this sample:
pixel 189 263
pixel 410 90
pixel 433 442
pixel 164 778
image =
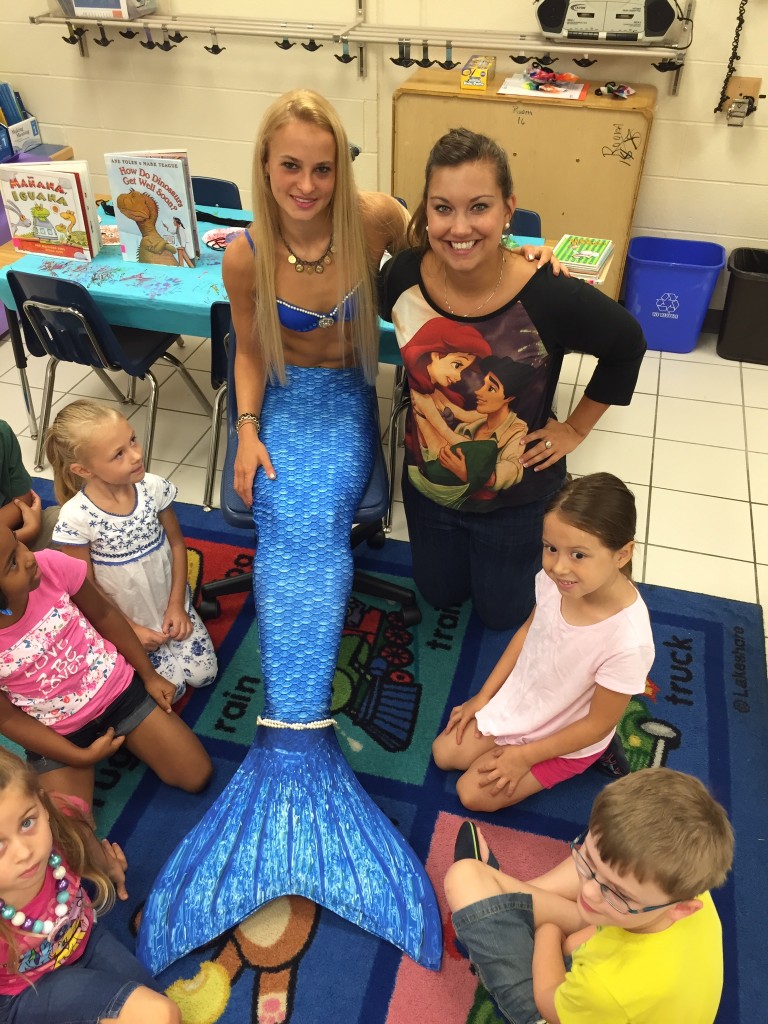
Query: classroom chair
pixel 60 320
pixel 216 192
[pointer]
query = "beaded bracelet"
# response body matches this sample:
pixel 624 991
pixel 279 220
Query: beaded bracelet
pixel 247 417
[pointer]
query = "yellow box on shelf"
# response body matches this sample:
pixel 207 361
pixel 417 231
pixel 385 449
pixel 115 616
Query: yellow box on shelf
pixel 478 72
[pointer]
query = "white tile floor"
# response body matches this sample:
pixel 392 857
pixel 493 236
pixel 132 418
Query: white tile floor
pixel 693 446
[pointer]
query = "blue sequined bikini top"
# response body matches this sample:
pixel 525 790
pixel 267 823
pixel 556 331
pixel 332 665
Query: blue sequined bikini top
pixel 295 318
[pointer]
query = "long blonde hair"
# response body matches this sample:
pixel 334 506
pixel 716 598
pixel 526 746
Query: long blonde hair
pixel 68 438
pixel 67 841
pixel 352 256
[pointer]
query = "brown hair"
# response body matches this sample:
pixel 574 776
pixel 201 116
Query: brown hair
pixel 68 438
pixel 356 272
pixel 602 505
pixel 663 826
pixel 67 841
pixel 456 147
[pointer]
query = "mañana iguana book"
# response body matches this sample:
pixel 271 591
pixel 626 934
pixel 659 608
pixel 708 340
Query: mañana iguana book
pixel 51 209
pixel 154 209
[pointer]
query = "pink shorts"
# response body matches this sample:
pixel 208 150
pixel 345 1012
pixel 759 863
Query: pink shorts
pixel 558 769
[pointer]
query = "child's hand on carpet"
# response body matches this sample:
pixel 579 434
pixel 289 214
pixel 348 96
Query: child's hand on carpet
pixel 503 768
pixel 116 866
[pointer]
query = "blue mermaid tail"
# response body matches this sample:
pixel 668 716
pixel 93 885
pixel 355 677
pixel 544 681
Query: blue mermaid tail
pixel 294 819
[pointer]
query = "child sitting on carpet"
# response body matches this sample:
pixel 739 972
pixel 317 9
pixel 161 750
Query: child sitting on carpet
pixel 550 707
pixel 622 930
pixel 122 525
pixel 48 925
pixel 20 508
pixel 75 682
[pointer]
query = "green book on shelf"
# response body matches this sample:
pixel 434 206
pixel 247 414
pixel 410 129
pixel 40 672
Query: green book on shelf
pixel 583 255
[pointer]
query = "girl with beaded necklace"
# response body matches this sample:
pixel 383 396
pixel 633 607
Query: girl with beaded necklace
pixel 49 855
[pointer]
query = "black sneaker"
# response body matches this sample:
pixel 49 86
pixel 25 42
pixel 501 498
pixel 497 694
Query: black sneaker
pixel 613 761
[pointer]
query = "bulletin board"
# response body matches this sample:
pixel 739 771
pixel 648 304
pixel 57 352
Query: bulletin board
pixel 576 162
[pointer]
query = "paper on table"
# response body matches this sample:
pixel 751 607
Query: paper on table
pixel 520 85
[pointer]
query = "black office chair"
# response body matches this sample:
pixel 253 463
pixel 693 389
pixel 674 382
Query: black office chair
pixel 216 192
pixel 367 528
pixel 59 319
pixel 220 320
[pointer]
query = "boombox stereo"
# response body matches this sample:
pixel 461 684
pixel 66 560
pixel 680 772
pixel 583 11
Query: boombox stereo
pixel 645 23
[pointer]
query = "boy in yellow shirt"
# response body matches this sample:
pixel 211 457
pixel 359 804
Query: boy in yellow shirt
pixel 624 930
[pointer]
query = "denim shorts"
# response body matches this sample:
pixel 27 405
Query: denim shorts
pixel 498 935
pixel 93 988
pixel 126 711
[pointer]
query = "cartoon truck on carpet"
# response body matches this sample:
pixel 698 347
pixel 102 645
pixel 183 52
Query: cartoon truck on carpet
pixel 647 740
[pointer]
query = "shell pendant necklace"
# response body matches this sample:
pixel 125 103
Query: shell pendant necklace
pixel 300 265
pixel 485 301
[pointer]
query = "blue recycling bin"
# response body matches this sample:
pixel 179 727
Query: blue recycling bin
pixel 669 284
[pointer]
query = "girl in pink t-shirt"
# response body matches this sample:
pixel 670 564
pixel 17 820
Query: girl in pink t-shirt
pixel 75 681
pixel 550 707
pixel 47 919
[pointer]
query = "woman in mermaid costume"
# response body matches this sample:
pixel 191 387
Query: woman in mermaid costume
pixel 294 819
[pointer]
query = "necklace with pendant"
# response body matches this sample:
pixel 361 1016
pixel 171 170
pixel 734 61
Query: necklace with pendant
pixel 300 265
pixel 485 301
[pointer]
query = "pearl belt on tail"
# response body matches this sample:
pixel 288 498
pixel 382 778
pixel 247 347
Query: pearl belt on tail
pixel 294 819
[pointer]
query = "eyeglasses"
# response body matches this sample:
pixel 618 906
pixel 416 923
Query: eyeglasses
pixel 610 896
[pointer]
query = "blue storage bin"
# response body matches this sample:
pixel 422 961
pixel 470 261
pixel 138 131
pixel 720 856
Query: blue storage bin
pixel 669 284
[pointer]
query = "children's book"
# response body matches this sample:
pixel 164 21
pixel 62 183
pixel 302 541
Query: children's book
pixel 51 208
pixel 583 255
pixel 154 209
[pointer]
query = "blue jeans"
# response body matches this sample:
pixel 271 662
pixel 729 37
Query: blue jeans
pixel 498 935
pixel 95 986
pixel 490 557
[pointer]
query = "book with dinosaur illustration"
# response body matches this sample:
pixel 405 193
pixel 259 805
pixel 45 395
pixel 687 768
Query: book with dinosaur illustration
pixel 51 209
pixel 154 209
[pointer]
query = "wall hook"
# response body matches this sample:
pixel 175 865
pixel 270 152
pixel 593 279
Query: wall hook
pixel 449 63
pixel 345 56
pixel 519 59
pixel 404 58
pixel 312 46
pixel 176 37
pixel 166 43
pixel 74 35
pixel 584 62
pixel 354 152
pixel 103 39
pixel 425 62
pixel 128 33
pixel 284 44
pixel 547 60
pixel 150 43
pixel 214 48
pixel 667 65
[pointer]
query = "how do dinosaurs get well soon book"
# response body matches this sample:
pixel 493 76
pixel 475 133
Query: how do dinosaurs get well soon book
pixel 154 209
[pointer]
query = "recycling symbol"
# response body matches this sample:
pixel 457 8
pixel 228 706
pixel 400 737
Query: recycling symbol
pixel 667 303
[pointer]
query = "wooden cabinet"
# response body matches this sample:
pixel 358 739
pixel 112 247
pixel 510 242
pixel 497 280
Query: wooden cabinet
pixel 577 162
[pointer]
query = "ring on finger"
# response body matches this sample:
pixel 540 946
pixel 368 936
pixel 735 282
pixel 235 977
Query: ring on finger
pixel 547 444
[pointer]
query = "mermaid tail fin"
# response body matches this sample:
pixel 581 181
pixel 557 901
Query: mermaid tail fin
pixel 293 820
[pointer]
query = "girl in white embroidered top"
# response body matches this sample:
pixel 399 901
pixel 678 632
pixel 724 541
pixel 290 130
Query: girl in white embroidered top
pixel 122 525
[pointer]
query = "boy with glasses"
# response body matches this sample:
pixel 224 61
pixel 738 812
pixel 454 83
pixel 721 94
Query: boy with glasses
pixel 623 930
